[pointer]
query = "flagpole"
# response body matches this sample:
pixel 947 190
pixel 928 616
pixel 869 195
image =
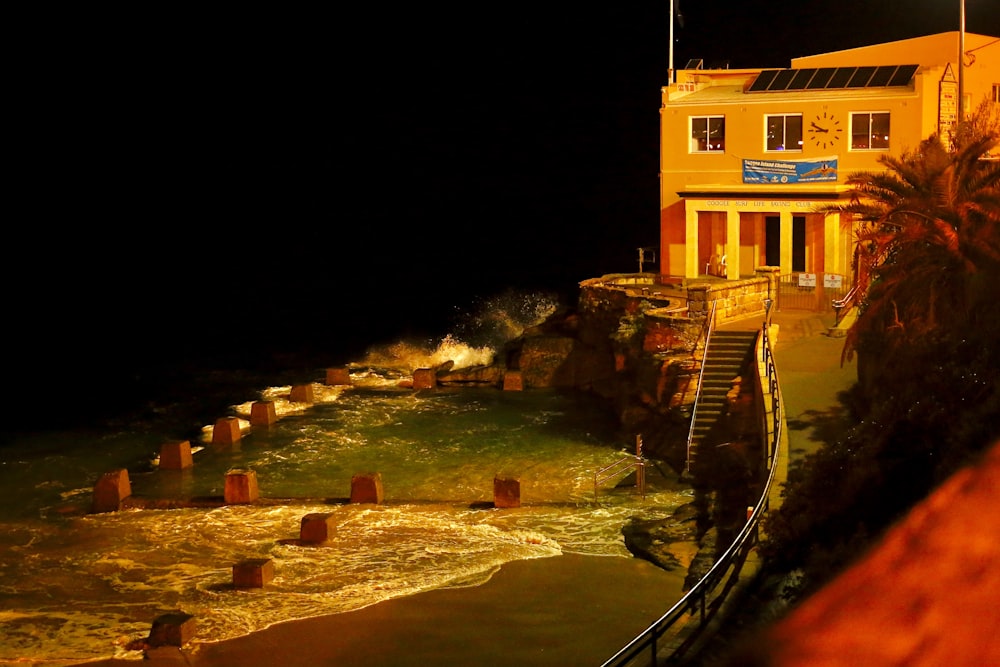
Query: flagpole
pixel 670 70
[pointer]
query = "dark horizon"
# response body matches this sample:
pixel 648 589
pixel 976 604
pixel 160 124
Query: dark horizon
pixel 220 187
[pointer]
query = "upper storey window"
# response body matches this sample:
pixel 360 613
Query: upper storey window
pixel 784 133
pixel 708 134
pixel 870 131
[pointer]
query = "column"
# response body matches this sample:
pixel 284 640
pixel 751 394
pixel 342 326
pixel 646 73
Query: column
pixel 785 217
pixel 691 268
pixel 732 244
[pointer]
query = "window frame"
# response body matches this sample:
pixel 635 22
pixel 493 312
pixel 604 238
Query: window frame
pixel 784 131
pixel 693 141
pixel 871 115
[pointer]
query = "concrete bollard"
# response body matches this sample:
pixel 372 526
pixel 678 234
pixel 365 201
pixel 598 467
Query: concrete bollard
pixel 301 393
pixel 367 488
pixel 513 381
pixel 424 378
pixel 253 573
pixel 338 376
pixel 111 489
pixel 506 492
pixel 262 413
pixel 226 431
pixel 176 455
pixel 316 527
pixel 175 629
pixel 241 487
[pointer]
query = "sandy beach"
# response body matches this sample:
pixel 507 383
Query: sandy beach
pixel 558 611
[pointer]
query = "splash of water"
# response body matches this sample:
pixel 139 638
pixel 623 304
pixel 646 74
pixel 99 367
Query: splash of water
pixel 478 335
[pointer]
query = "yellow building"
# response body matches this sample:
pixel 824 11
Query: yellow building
pixel 747 156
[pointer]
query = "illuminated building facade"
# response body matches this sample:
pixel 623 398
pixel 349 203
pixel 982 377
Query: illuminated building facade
pixel 748 156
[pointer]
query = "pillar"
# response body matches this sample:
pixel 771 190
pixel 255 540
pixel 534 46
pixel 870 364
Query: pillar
pixel 424 378
pixel 367 488
pixel 226 431
pixel 111 489
pixel 301 393
pixel 241 487
pixel 175 629
pixel 316 527
pixel 506 492
pixel 253 573
pixel 785 222
pixel 513 381
pixel 262 413
pixel 176 455
pixel 338 376
pixel 692 264
pixel 732 244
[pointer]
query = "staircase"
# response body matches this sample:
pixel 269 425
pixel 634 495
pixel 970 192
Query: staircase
pixel 728 354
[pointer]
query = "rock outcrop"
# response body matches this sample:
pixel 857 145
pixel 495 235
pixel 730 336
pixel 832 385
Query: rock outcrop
pixel 636 351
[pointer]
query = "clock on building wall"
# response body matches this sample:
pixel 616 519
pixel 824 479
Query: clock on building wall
pixel 825 130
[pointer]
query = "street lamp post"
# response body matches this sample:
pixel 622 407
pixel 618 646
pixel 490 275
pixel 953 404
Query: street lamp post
pixel 961 61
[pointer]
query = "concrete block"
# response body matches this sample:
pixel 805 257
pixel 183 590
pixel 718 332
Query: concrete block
pixel 513 381
pixel 262 413
pixel 110 490
pixel 367 488
pixel 253 573
pixel 226 431
pixel 316 527
pixel 175 629
pixel 241 487
pixel 338 376
pixel 424 378
pixel 301 393
pixel 176 455
pixel 506 492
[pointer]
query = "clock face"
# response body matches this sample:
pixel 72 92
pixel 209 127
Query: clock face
pixel 825 130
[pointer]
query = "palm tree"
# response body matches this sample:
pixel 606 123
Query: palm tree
pixel 927 256
pixel 927 288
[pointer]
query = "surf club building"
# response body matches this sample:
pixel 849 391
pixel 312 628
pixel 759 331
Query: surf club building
pixel 748 157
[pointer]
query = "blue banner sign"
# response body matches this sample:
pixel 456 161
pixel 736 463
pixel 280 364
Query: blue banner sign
pixel 790 171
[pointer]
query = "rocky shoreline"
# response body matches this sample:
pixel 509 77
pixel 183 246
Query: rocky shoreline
pixel 607 346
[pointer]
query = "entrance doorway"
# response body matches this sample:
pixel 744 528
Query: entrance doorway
pixel 772 241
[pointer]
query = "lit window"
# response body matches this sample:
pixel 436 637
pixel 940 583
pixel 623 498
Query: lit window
pixel 870 131
pixel 784 133
pixel 708 134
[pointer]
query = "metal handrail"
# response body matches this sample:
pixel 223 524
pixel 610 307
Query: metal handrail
pixel 615 469
pixel 707 332
pixel 696 599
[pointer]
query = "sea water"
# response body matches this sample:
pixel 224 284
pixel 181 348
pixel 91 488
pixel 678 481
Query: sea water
pixel 78 586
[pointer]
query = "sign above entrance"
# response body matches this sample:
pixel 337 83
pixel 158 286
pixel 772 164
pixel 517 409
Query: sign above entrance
pixel 790 171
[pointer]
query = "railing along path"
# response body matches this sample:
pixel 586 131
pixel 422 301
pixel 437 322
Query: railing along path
pixel 706 597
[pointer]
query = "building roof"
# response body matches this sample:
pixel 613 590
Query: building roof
pixel 736 95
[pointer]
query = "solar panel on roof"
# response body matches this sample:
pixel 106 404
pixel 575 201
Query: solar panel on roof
pixel 861 77
pixel 903 75
pixel 782 80
pixel 821 78
pixel 882 75
pixel 801 79
pixel 841 77
pixel 870 76
pixel 763 80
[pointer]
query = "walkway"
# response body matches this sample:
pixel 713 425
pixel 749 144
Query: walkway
pixel 814 383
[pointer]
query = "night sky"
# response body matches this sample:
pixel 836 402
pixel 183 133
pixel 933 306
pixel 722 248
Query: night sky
pixel 212 187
